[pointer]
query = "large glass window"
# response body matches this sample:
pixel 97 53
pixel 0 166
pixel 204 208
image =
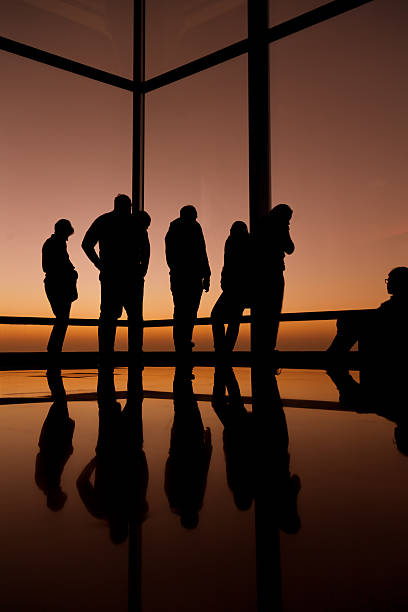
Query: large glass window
pixel 196 153
pixel 94 32
pixel 281 10
pixel 66 152
pixel 184 30
pixel 338 157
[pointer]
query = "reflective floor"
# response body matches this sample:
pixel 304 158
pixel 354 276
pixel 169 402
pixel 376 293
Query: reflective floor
pixel 101 510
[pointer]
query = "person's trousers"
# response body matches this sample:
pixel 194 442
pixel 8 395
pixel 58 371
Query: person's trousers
pixel 61 307
pixel 228 310
pixel 186 299
pixel 118 293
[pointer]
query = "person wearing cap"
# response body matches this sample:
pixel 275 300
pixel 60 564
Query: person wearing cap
pixel 59 282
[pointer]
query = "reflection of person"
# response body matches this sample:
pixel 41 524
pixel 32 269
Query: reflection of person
pixel 256 451
pixel 190 273
pixel 118 493
pixel 55 444
pixel 234 298
pixel 272 242
pixel 123 260
pixel 60 281
pixel 189 458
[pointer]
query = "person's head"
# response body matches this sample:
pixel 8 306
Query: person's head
pixel 188 213
pixel 281 213
pixel 63 229
pixel 397 281
pixel 122 204
pixel 238 229
pixel 144 218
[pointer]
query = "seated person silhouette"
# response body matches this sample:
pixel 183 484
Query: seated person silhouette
pixel 187 466
pixel 190 273
pixel 382 337
pixel 59 282
pixel 55 444
pixel 123 259
pixel 235 278
pixel 271 243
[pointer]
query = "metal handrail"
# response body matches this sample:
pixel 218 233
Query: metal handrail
pixel 322 315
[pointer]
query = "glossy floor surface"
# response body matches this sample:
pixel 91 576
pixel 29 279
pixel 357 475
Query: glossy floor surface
pixel 92 519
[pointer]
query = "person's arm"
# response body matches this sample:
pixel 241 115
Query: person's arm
pixel 145 254
pixel 89 242
pixel 206 265
pixel 288 246
pixel 169 245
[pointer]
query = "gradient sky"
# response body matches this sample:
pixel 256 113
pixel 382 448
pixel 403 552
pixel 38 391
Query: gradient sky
pixel 339 147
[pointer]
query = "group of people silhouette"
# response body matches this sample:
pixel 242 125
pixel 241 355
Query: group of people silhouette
pixel 253 270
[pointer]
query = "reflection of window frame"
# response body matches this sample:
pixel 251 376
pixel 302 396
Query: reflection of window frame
pixel 256 46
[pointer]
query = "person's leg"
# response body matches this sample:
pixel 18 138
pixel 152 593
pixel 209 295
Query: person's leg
pixel 217 323
pixel 277 289
pixel 236 307
pixel 186 298
pixel 194 304
pixel 133 303
pixel 111 309
pixel 61 309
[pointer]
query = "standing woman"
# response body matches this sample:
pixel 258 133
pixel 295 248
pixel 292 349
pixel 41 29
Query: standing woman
pixel 235 289
pixel 272 242
pixel 60 282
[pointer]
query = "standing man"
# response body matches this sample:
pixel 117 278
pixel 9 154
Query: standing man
pixel 190 273
pixel 60 282
pixel 272 242
pixel 123 259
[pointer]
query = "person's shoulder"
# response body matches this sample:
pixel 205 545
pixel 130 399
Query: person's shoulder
pixel 174 226
pixel 49 242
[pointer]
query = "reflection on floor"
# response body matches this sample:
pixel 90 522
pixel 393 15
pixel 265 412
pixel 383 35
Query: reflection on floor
pixel 131 504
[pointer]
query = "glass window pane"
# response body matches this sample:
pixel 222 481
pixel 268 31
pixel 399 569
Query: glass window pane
pixel 65 153
pixel 281 10
pixel 183 30
pixel 339 132
pixel 94 32
pixel 196 153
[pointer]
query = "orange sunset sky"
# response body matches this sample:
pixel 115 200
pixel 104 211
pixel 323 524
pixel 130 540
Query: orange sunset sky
pixel 339 137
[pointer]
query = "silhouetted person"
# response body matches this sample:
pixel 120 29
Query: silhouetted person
pixel 123 259
pixel 118 493
pixel 382 337
pixel 190 273
pixel 55 444
pixel 60 282
pixel 271 243
pixel 187 466
pixel 235 285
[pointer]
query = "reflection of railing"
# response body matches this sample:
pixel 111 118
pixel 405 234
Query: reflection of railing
pixel 85 359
